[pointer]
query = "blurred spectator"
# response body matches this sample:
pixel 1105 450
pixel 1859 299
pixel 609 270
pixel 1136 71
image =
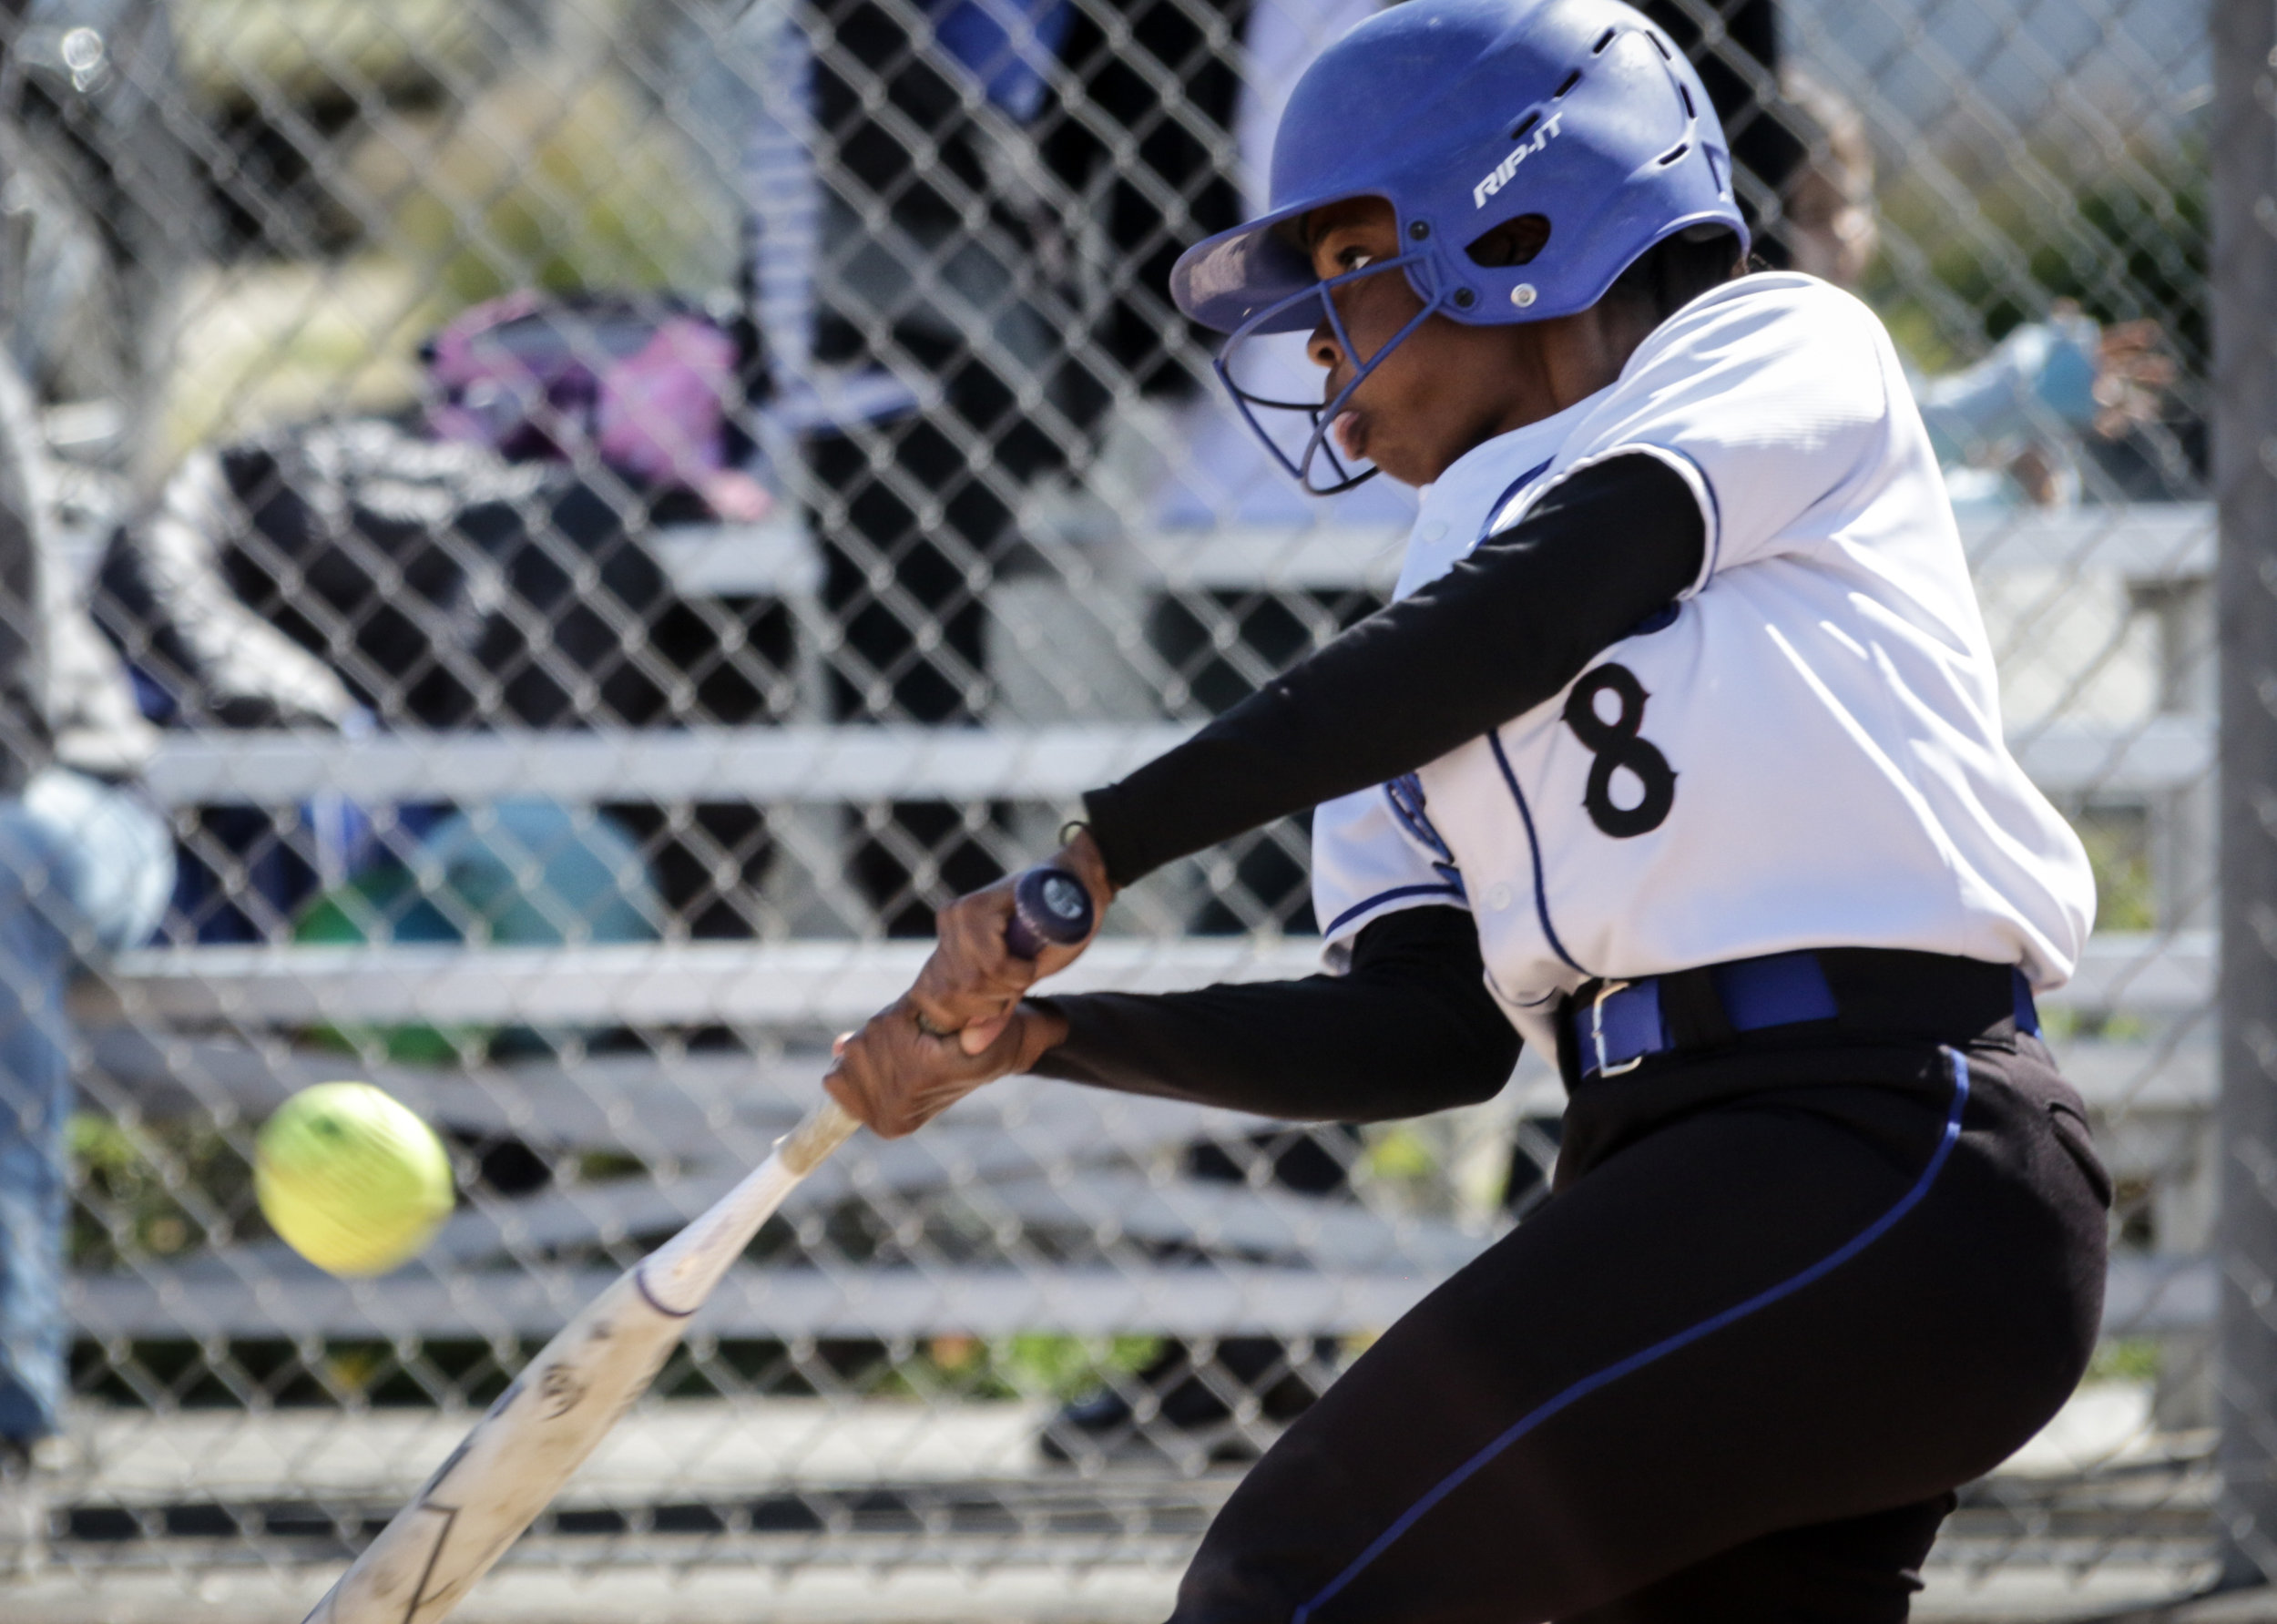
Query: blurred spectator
pixel 959 220
pixel 937 242
pixel 86 863
pixel 103 215
pixel 2009 428
pixel 98 215
pixel 85 868
pixel 1829 227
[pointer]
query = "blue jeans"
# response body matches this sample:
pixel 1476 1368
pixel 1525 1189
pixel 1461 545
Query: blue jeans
pixel 84 869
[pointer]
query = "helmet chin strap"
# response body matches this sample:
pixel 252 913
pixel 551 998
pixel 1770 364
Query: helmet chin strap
pixel 1323 415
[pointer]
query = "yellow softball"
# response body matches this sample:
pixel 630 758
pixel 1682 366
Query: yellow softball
pixel 354 1181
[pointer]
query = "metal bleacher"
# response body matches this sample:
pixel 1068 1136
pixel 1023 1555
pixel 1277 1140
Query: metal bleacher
pixel 212 1028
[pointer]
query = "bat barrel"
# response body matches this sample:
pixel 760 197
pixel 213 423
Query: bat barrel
pixel 516 1458
pixel 519 1454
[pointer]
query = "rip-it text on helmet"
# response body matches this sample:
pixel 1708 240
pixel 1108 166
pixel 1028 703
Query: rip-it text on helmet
pixel 1499 175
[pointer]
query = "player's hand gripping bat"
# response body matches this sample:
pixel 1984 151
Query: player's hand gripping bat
pixel 505 1471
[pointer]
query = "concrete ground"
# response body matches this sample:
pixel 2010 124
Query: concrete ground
pixel 633 1595
pixel 810 1512
pixel 642 1592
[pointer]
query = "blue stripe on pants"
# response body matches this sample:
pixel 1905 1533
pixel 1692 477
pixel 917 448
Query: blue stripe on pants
pixel 1660 1350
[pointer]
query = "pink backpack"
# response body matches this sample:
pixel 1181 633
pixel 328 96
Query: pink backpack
pixel 646 383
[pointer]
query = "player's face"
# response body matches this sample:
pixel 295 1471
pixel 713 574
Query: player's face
pixel 1446 388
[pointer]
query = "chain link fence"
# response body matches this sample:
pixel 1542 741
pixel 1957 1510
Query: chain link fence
pixel 599 516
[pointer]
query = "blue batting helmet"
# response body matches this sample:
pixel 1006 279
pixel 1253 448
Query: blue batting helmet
pixel 1466 114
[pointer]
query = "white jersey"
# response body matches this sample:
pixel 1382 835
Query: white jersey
pixel 1803 752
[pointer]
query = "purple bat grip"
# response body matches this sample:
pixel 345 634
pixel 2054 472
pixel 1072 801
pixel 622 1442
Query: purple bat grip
pixel 1048 904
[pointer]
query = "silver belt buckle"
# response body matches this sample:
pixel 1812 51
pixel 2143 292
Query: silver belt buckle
pixel 1597 1031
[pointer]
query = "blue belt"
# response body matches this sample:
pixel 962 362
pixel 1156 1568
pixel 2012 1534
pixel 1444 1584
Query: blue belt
pixel 1623 1023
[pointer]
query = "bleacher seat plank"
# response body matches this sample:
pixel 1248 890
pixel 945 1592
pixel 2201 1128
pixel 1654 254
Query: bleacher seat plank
pixel 786 764
pixel 683 1105
pixel 2143 541
pixel 773 558
pixel 2160 753
pixel 2139 542
pixel 759 983
pixel 2144 1295
pixel 814 764
pixel 698 1108
pixel 378 1457
pixel 1260 1225
pixel 799 983
pixel 1203 1299
pixel 2133 1079
pixel 996 1178
pixel 952 1154
pixel 2145 972
pixel 1321 557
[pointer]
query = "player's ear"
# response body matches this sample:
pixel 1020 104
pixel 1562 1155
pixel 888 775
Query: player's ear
pixel 1513 242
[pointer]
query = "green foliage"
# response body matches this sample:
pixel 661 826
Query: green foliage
pixel 2131 243
pixel 1064 1366
pixel 2125 1358
pixel 130 1184
pixel 560 182
pixel 240 53
pixel 1402 1155
pixel 2118 850
pixel 1037 1364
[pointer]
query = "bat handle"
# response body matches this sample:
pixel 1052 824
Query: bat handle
pixel 1049 906
pixel 821 1131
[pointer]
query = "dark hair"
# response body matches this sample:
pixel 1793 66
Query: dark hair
pixel 1670 275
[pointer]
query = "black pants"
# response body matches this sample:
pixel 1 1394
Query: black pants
pixel 1782 1303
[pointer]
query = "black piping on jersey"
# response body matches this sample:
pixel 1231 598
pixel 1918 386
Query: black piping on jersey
pixel 1395 894
pixel 1613 1372
pixel 1534 850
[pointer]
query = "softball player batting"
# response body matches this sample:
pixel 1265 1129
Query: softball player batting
pixel 1679 753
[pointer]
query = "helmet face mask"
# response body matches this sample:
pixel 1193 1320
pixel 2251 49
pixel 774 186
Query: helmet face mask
pixel 1319 414
pixel 1466 116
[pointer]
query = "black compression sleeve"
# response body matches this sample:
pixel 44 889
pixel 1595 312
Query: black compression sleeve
pixel 1409 1030
pixel 1502 632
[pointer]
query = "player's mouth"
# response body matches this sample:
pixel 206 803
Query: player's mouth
pixel 1350 432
